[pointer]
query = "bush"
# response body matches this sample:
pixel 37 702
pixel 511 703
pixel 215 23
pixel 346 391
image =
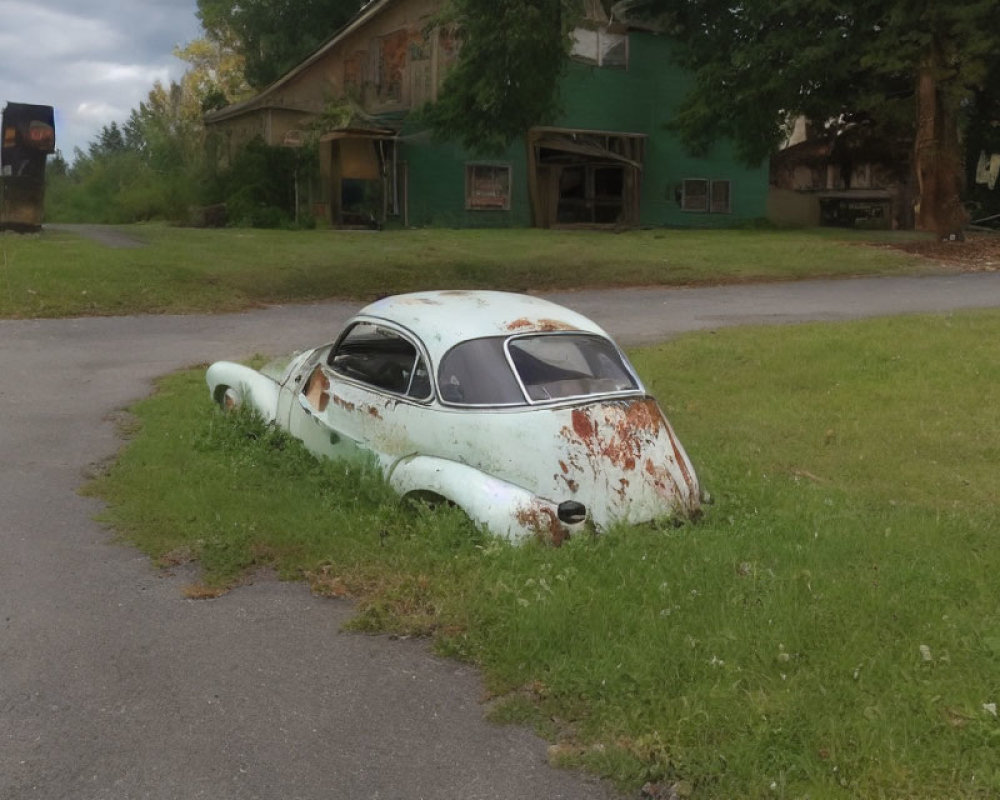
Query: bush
pixel 259 186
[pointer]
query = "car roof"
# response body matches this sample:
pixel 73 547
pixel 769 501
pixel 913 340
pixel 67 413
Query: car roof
pixel 442 319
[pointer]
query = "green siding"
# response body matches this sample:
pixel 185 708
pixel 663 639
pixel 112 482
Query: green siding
pixel 638 100
pixel 436 177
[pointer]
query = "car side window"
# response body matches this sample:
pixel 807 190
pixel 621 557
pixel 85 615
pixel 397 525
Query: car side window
pixel 382 358
pixel 476 373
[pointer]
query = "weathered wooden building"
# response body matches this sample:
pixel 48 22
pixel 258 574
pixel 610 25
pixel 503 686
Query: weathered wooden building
pixel 609 161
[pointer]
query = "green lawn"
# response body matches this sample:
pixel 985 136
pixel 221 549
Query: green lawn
pixel 829 629
pixel 184 270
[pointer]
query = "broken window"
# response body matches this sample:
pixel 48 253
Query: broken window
pixel 487 187
pixel 698 194
pixel 382 358
pixel 600 47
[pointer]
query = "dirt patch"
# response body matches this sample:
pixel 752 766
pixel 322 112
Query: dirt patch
pixel 980 252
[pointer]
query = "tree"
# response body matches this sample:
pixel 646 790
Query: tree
pixel 273 35
pixel 215 74
pixel 910 67
pixel 512 55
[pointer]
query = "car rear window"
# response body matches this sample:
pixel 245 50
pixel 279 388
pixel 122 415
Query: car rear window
pixel 556 366
pixel 533 368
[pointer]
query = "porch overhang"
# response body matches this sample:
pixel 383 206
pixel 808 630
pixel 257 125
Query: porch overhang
pixel 359 133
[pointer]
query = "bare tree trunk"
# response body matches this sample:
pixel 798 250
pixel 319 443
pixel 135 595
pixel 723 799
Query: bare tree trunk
pixel 937 155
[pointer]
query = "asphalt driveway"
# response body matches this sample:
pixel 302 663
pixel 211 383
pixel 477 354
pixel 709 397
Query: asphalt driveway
pixel 112 685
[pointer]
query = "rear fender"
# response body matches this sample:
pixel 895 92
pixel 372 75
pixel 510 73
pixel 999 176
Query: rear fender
pixel 503 508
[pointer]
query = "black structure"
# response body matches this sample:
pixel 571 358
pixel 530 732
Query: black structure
pixel 29 135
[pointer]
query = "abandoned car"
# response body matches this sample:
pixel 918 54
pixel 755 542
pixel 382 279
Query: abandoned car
pixel 523 413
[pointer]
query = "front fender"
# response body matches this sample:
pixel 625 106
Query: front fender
pixel 503 508
pixel 258 391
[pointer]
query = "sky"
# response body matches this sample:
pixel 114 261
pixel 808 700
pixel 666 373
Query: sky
pixel 92 60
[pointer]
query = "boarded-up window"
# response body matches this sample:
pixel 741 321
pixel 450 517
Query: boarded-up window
pixel 487 187
pixel 421 70
pixel 354 71
pixel 720 197
pixel 600 47
pixel 391 65
pixel 698 194
pixel 695 195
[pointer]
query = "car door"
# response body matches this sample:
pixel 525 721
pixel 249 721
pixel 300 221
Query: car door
pixel 361 402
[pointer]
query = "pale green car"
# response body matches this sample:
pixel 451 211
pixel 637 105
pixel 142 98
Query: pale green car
pixel 521 412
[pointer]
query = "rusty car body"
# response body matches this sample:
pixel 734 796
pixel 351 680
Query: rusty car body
pixel 521 412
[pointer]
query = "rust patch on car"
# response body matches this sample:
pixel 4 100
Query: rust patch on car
pixel 541 325
pixel 679 460
pixel 584 427
pixel 661 477
pixel 317 390
pixel 564 467
pixel 373 412
pixel 544 522
pixel 571 484
pixel 347 405
pixel 645 415
pixel 554 325
pixel 630 427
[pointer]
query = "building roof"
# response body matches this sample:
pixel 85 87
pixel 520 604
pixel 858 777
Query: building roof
pixel 260 100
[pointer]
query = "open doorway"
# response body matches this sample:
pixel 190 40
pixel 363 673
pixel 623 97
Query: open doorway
pixel 363 178
pixel 585 178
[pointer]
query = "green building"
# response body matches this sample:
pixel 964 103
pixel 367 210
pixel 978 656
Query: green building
pixel 608 162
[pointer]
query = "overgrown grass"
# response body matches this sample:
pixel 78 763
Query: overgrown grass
pixel 184 270
pixel 830 629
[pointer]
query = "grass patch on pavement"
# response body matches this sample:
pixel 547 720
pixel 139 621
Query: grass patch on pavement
pixel 181 270
pixel 829 629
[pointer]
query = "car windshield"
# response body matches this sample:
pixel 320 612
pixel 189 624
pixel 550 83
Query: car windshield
pixel 549 366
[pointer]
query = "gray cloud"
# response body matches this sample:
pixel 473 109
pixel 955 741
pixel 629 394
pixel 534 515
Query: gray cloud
pixel 94 61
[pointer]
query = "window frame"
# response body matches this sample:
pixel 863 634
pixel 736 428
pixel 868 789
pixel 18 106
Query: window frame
pixel 708 206
pixel 531 401
pixel 526 400
pixel 470 168
pixel 419 355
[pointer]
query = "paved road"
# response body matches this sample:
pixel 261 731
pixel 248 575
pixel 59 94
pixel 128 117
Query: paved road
pixel 114 686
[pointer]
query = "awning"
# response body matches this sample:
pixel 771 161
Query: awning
pixel 584 147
